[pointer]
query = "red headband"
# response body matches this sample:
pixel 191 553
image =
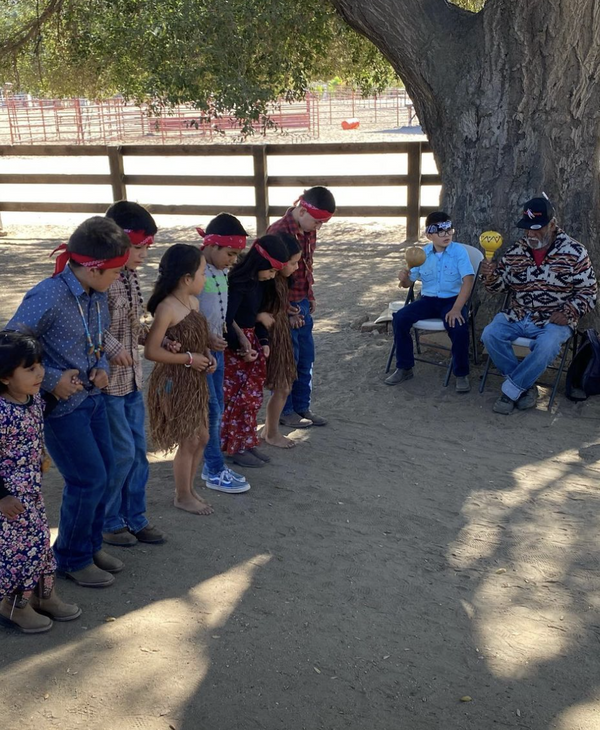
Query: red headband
pixel 88 261
pixel 139 238
pixel 317 213
pixel 214 239
pixel 274 263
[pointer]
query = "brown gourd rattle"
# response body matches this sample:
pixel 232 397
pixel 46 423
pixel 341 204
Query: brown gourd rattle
pixel 415 256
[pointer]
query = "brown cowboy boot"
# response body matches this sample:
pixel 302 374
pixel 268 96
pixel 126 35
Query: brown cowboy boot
pixel 16 612
pixel 45 600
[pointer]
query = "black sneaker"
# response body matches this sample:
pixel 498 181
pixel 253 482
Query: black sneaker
pixel 504 405
pixel 528 399
pixel 399 376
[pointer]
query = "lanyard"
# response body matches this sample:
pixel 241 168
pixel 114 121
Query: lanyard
pixel 92 349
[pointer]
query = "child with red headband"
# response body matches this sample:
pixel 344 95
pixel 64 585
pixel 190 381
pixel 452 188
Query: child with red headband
pixel 248 350
pixel 125 521
pixel 315 207
pixel 224 240
pixel 68 314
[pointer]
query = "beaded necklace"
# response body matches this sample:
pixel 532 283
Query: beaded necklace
pixel 219 293
pixel 98 348
pixel 131 282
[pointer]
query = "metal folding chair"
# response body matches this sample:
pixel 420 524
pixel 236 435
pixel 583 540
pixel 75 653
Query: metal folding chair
pixel 437 325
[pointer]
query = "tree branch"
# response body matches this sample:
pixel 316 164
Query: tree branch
pixel 18 40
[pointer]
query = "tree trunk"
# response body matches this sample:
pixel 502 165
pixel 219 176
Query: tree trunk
pixel 510 100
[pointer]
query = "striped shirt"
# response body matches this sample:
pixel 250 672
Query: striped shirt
pixel 564 282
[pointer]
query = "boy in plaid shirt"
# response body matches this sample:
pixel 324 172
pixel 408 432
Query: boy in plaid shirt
pixel 125 521
pixel 302 221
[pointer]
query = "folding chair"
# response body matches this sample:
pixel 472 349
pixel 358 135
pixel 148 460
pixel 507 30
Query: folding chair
pixel 437 325
pixel 526 342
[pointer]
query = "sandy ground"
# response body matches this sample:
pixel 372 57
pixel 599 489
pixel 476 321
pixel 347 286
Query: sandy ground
pixel 416 551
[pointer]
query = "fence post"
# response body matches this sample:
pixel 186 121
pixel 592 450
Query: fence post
pixel 117 173
pixel 261 187
pixel 413 196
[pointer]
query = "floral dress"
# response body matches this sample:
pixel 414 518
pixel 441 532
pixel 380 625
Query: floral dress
pixel 25 552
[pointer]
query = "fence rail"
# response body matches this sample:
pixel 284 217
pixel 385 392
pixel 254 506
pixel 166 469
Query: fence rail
pixel 260 180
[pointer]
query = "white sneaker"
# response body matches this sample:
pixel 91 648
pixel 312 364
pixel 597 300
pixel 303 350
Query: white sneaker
pixel 226 481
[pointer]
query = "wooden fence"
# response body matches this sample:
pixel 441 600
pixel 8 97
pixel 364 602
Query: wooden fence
pixel 260 180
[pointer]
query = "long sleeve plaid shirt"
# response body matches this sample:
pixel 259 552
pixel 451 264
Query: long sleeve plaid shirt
pixel 302 282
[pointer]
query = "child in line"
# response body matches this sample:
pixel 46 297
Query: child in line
pixel 68 313
pixel 224 239
pixel 125 521
pixel 28 600
pixel 281 366
pixel 447 278
pixel 177 390
pixel 248 350
pixel 303 220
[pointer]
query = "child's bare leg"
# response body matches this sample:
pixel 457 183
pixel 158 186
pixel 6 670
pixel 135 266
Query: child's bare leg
pixel 270 433
pixel 205 508
pixel 185 498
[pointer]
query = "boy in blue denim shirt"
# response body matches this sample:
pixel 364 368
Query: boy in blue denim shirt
pixel 447 278
pixel 68 314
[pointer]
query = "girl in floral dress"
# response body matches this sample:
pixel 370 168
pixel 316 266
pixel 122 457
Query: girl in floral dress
pixel 27 565
pixel 248 349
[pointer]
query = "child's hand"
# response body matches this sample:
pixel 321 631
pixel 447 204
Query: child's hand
pixel 312 307
pixel 455 317
pixel 245 345
pixel 250 356
pixel 266 351
pixel 171 345
pixel 296 321
pixel 404 278
pixel 123 359
pixel 200 362
pixel 265 318
pixel 11 507
pixel 216 342
pixel 68 384
pixel 213 363
pixel 98 377
pixel 293 310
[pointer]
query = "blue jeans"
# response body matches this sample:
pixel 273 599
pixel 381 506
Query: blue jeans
pixel 81 447
pixel 498 337
pixel 431 308
pixel 126 501
pixel 213 457
pixel 304 354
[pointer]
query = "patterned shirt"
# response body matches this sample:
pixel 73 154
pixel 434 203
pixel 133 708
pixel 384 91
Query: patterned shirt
pixel 125 334
pixel 51 312
pixel 564 282
pixel 301 286
pixel 442 274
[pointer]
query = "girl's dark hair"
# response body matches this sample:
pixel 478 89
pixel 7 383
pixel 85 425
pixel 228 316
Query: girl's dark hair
pixel 291 243
pixel 271 301
pixel 133 216
pixel 17 349
pixel 100 238
pixel 320 197
pixel 248 267
pixel 178 261
pixel 437 217
pixel 226 224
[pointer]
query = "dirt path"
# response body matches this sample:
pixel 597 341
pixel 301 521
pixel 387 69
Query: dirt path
pixel 416 551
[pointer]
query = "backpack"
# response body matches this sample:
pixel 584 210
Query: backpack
pixel 583 375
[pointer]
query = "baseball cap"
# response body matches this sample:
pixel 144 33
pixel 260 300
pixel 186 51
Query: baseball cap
pixel 537 213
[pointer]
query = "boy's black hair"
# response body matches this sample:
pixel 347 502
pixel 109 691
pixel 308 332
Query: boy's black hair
pixel 437 216
pixel 132 216
pixel 17 349
pixel 226 224
pixel 178 260
pixel 247 268
pixel 321 198
pixel 291 243
pixel 98 237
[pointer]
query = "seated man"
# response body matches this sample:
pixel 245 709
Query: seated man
pixel 447 279
pixel 552 285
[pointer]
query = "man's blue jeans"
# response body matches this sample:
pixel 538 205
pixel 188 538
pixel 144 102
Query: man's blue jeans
pixel 126 501
pixel 431 308
pixel 304 354
pixel 81 447
pixel 213 457
pixel 498 337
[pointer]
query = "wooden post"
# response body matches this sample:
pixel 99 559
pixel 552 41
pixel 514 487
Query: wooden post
pixel 117 173
pixel 413 197
pixel 261 188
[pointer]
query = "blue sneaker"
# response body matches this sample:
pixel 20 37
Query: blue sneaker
pixel 226 481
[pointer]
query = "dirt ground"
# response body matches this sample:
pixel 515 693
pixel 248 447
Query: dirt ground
pixel 417 551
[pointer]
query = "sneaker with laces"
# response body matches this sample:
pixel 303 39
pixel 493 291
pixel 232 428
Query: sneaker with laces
pixel 226 481
pixel 504 405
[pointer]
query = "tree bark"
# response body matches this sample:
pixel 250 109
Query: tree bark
pixel 510 100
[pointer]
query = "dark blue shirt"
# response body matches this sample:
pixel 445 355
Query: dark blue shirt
pixel 49 311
